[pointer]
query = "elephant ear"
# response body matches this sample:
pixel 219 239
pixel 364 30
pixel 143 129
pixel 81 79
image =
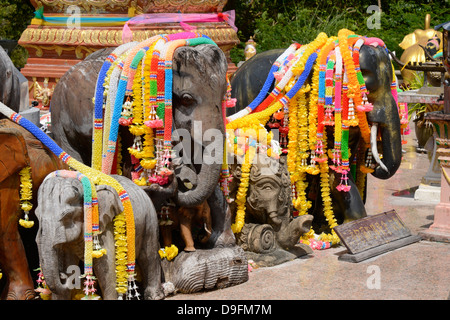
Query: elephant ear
pixel 109 205
pixel 13 152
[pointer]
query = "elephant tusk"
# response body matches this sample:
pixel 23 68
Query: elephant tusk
pixel 206 228
pixel 373 144
pixel 188 185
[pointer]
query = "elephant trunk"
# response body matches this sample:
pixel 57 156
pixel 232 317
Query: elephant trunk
pixel 49 257
pixel 50 268
pixel 290 233
pixel 207 178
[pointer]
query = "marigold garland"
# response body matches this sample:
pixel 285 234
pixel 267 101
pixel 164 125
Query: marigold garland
pixel 26 194
pixel 241 196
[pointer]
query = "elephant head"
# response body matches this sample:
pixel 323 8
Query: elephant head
pixel 384 119
pixel 60 212
pixel 199 85
pixel 269 194
pixel 9 84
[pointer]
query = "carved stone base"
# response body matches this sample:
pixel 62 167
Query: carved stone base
pixel 278 256
pixel 260 245
pixel 215 268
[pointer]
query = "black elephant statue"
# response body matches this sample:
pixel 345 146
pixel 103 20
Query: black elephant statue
pixel 384 145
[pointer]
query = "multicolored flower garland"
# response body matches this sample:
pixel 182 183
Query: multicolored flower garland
pixel 123 77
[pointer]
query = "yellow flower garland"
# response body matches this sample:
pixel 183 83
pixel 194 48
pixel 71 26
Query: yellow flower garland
pixel 26 194
pixel 241 196
pixel 168 252
pixel 301 203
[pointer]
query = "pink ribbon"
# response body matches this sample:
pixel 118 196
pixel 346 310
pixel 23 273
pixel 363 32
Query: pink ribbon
pixel 374 42
pixel 182 19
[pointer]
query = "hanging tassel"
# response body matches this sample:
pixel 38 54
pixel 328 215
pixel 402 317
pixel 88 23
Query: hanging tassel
pixel 366 105
pixel 368 166
pixel 132 292
pixel 343 185
pixel 89 288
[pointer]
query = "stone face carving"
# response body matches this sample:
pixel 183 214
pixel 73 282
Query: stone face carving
pixel 270 235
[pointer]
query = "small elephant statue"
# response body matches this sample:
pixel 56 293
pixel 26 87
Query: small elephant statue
pixel 60 238
pixel 270 235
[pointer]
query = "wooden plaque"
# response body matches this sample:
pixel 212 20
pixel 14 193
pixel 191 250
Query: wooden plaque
pixel 373 231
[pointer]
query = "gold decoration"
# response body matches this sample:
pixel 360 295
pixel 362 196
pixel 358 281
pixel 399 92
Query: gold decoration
pixel 48 36
pixel 138 6
pixel 411 44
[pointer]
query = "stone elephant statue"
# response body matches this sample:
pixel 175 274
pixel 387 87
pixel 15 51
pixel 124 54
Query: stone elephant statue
pixel 196 109
pixel 10 84
pixel 199 85
pixel 383 120
pixel 60 238
pixel 18 252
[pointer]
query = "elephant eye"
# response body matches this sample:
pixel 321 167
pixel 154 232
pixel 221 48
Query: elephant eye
pixel 266 185
pixel 370 80
pixel 187 100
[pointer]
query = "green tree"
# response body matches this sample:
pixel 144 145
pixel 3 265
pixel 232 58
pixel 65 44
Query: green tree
pixel 276 23
pixel 15 16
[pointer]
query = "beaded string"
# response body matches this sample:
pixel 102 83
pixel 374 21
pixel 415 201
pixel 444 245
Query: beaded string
pixel 265 89
pixel 100 102
pixel 319 150
pixel 337 112
pixel 152 120
pixel 365 106
pixel 111 84
pixel 328 116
